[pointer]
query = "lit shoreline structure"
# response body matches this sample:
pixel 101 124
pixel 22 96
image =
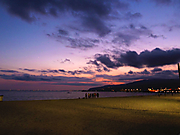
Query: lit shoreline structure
pixel 167 90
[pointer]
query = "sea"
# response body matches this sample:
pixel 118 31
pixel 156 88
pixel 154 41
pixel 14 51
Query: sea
pixel 24 95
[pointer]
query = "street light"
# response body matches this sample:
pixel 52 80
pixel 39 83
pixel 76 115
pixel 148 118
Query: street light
pixel 179 69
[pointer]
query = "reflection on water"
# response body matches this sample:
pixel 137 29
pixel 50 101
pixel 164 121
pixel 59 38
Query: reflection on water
pixel 47 95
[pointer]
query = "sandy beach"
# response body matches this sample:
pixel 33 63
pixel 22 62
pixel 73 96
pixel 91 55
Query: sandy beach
pixel 144 115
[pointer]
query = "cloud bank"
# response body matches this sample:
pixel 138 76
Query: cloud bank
pixel 93 13
pixel 51 80
pixel 154 58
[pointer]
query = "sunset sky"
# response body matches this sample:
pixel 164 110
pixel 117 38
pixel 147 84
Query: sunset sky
pixel 79 44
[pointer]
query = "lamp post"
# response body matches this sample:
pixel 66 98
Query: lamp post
pixel 179 69
pixel 179 72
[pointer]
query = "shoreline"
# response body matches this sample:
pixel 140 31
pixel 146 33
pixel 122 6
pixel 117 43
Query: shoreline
pixel 24 96
pixel 153 94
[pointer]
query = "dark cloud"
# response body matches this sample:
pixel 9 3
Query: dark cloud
pixel 9 71
pixel 153 36
pixel 62 70
pixel 26 77
pixel 55 80
pixel 59 71
pixel 76 42
pixel 130 16
pixel 119 4
pixel 99 70
pixel 79 72
pixel 175 71
pixel 171 28
pixel 92 12
pixel 75 72
pixel 130 72
pixel 130 34
pixel 129 58
pixel 63 32
pixel 96 25
pixel 127 39
pixel 143 27
pixel 134 76
pixel 136 0
pixel 53 12
pixel 156 57
pixel 166 74
pixel 43 71
pixel 94 62
pixel 81 43
pixel 31 70
pixel 105 76
pixel 53 71
pixel 25 9
pixel 100 67
pixel 106 69
pixel 156 36
pixel 156 70
pixel 145 72
pixel 105 59
pixel 66 60
pixel 164 2
pixel 77 84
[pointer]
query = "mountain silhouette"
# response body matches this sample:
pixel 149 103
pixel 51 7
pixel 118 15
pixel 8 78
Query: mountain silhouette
pixel 143 85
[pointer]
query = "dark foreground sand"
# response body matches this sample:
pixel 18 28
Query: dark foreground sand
pixel 149 115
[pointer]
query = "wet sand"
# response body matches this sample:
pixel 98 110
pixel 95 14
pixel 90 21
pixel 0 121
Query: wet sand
pixel 148 115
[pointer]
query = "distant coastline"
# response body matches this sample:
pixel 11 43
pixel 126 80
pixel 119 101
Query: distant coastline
pixel 140 86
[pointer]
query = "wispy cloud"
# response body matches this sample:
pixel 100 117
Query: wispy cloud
pixel 52 80
pixel 9 71
pixel 66 60
pixel 130 34
pixel 76 42
pixel 156 36
pixel 55 71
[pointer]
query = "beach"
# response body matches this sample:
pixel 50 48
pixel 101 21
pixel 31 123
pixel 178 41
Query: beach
pixel 137 115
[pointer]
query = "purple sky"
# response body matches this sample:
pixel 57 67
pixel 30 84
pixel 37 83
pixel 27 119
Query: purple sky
pixel 79 44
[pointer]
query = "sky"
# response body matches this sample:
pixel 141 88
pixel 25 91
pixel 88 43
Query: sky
pixel 79 44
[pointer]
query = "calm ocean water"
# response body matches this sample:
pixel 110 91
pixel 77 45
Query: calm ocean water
pixel 14 95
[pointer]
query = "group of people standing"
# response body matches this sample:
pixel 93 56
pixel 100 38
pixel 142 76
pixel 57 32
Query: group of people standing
pixel 91 95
